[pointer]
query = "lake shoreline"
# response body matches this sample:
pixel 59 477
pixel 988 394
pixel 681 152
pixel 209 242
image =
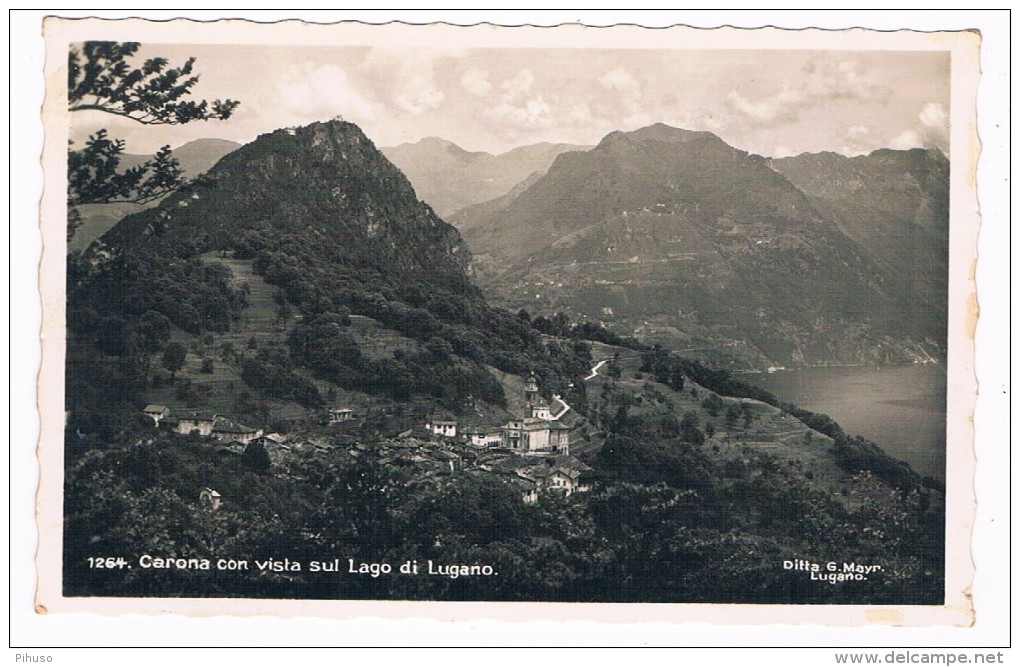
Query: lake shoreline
pixel 784 369
pixel 902 408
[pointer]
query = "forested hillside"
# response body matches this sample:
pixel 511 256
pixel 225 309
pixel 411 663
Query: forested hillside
pixel 302 273
pixel 676 237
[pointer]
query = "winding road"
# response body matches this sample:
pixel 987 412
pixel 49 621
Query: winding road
pixel 566 406
pixel 595 369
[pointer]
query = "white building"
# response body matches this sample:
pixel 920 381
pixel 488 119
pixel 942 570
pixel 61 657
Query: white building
pixel 447 429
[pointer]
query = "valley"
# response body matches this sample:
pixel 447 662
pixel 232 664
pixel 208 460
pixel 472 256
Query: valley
pixel 293 356
pixel 675 237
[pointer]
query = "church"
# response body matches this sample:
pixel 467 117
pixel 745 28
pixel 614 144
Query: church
pixel 538 432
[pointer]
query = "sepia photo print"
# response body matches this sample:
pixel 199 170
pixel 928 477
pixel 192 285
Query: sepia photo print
pixel 344 315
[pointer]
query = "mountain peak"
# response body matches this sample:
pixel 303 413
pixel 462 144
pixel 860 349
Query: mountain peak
pixel 663 133
pixel 932 154
pixel 207 144
pixel 324 187
pixel 450 178
pixel 433 141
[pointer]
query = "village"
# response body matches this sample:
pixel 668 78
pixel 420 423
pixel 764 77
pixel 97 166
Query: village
pixel 530 452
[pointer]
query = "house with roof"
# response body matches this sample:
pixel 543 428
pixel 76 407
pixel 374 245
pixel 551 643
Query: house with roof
pixel 156 412
pixel 210 498
pixel 541 411
pixel 528 488
pixel 442 428
pixel 533 435
pixel 480 436
pixel 274 443
pixel 225 430
pixel 196 421
pixel 565 475
pixel 339 415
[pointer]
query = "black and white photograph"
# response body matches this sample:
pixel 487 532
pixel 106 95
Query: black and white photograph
pixel 432 313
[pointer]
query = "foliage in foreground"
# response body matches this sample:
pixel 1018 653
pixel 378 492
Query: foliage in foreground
pixel 651 532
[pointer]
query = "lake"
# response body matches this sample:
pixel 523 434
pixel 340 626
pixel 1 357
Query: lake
pixel 900 408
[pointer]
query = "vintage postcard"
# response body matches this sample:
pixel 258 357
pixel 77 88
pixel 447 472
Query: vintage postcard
pixel 426 320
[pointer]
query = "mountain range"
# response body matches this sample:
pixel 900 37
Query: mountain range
pixel 322 216
pixel 894 205
pixel 678 237
pixel 670 235
pixel 195 158
pixel 303 272
pixel 450 178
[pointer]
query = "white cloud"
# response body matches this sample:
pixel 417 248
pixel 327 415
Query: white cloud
pixel 823 82
pixel 857 140
pixel 934 126
pixel 580 114
pixel 619 80
pixel 906 140
pixel 532 113
pixel 476 82
pixel 842 80
pixel 934 115
pixel 627 98
pixel 418 94
pixel 519 86
pixel 778 109
pixel 517 108
pixel 406 77
pixel 782 151
pixel 322 91
pixel 932 130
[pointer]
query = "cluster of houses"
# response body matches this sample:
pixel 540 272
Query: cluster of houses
pixel 529 476
pixel 531 452
pixel 206 424
pixel 538 441
pixel 537 432
pixel 564 475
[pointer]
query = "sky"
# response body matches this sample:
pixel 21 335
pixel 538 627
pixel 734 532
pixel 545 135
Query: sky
pixel 769 102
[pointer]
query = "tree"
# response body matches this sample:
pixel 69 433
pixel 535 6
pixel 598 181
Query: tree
pixel 732 415
pixel 748 414
pixel 256 458
pixel 100 78
pixel 153 331
pixel 151 94
pixel 613 367
pixel 173 358
pixel 283 308
pixel 689 431
pixel 713 404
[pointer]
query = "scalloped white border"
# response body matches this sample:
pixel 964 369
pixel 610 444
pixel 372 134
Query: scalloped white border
pixel 612 613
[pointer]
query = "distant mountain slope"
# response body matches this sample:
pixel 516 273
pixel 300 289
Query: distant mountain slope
pixel 195 157
pixel 467 218
pixel 895 205
pixel 714 242
pixel 199 156
pixel 326 188
pixel 449 178
pixel 324 217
